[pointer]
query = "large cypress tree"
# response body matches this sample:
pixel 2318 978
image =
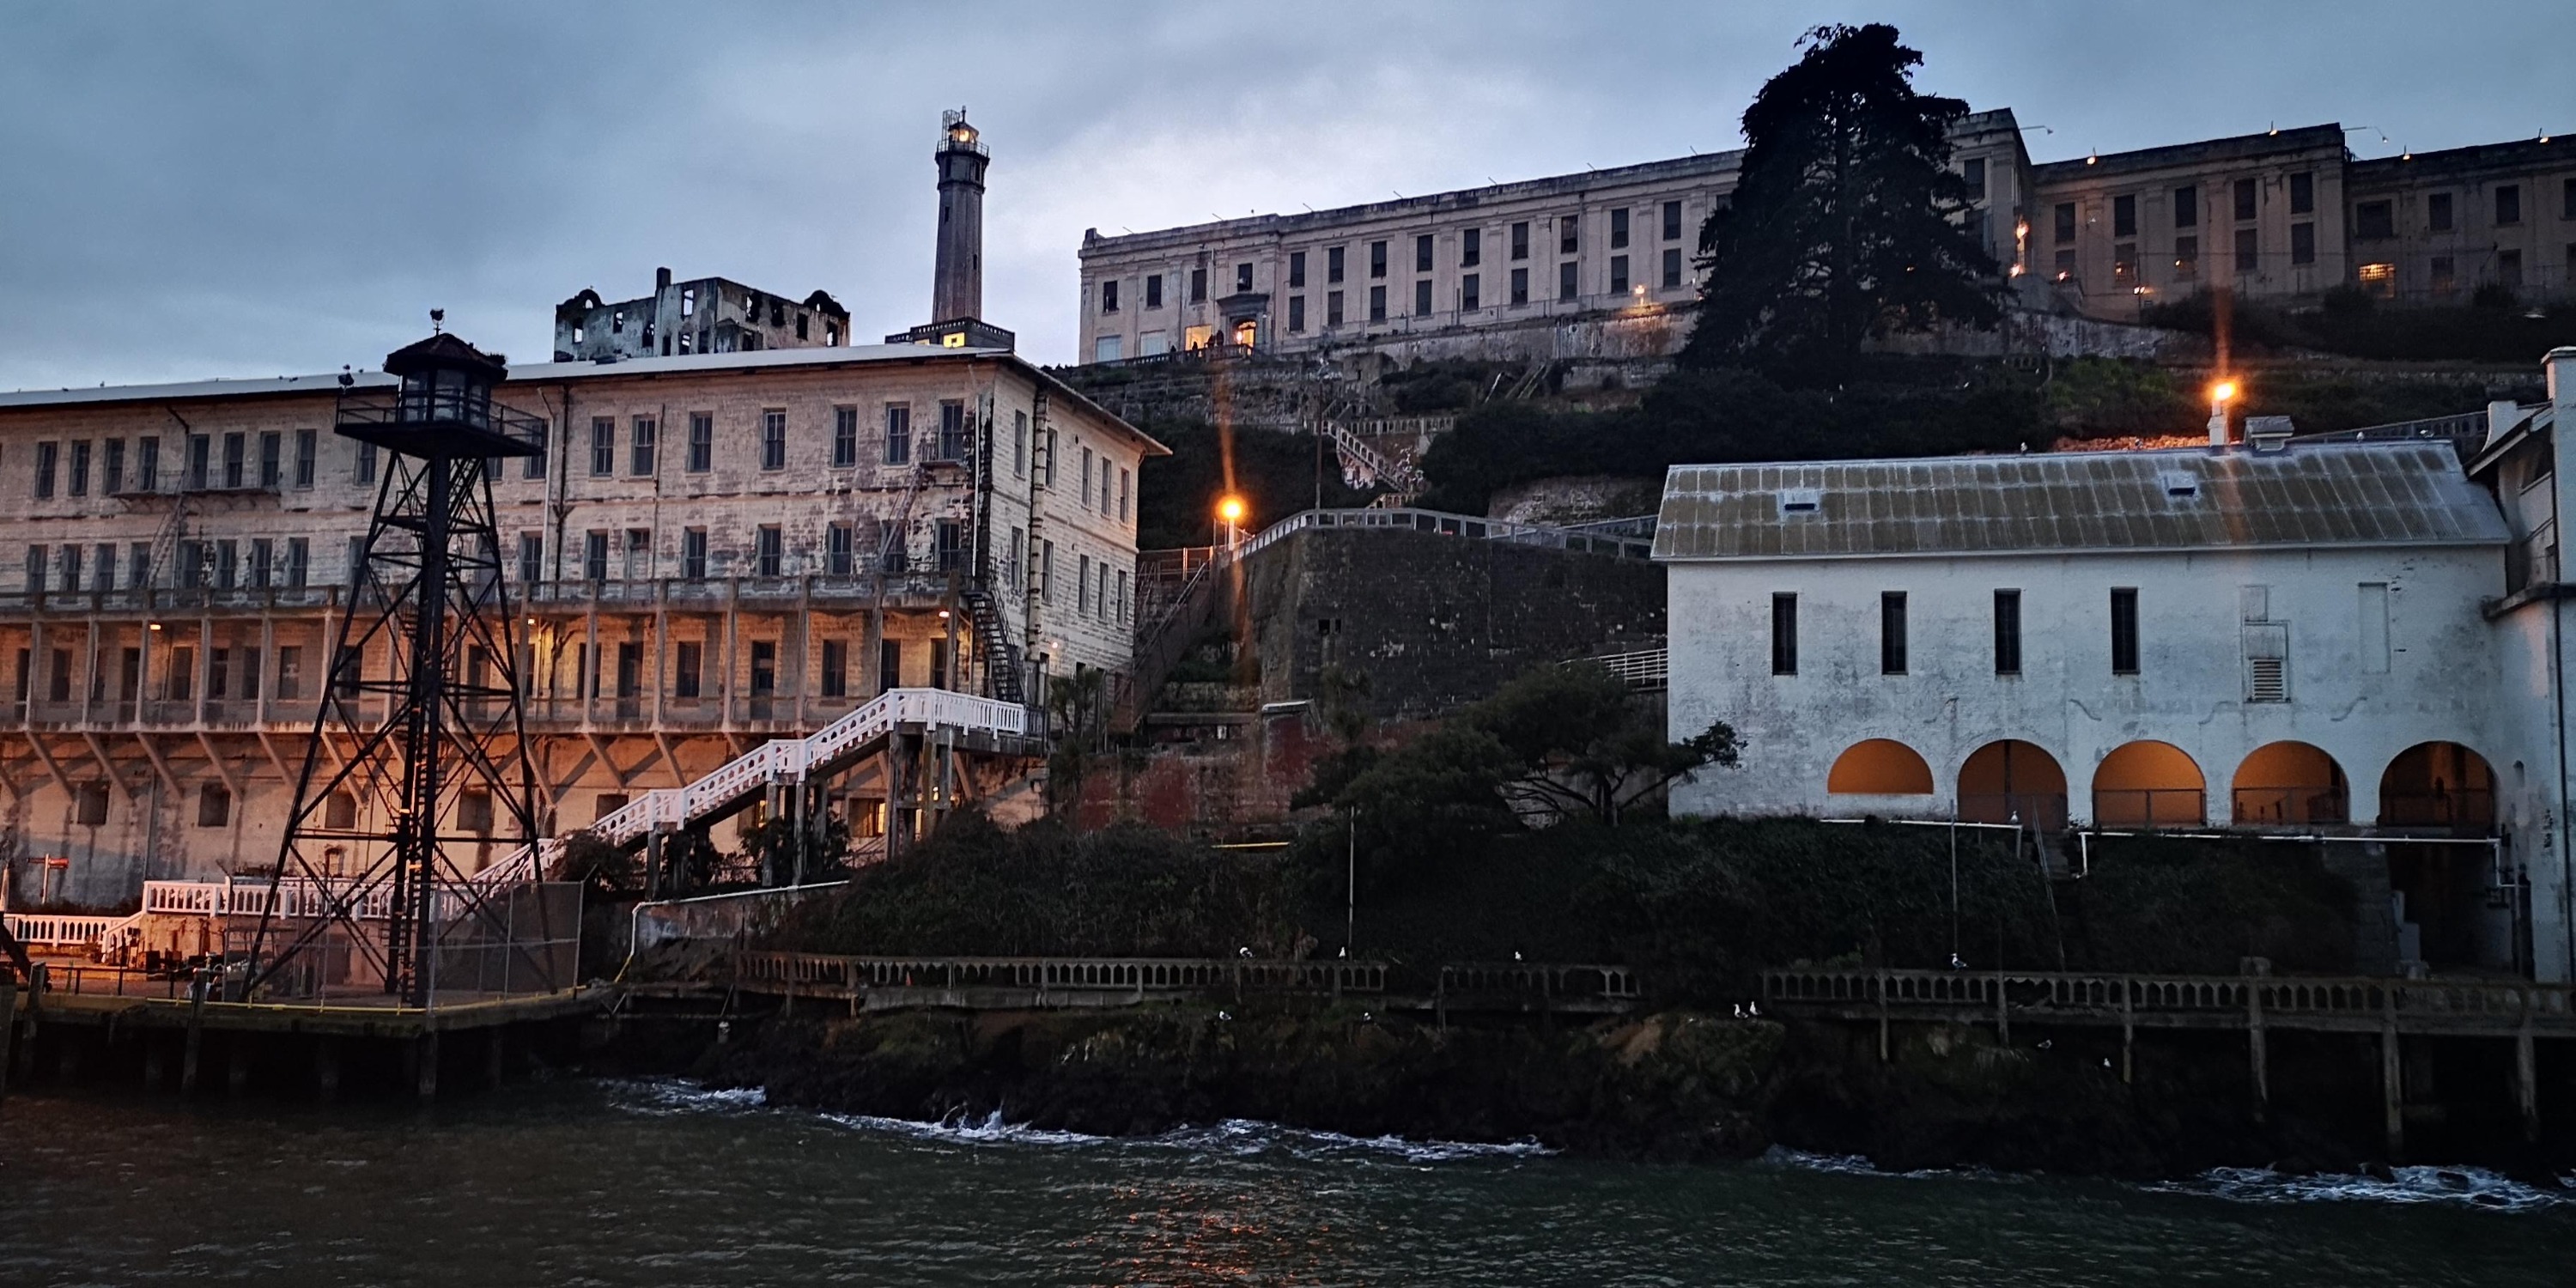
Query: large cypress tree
pixel 1846 220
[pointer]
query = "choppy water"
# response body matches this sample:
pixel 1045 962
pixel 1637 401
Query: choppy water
pixel 652 1183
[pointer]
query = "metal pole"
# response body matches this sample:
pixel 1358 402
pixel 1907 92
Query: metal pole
pixel 1351 888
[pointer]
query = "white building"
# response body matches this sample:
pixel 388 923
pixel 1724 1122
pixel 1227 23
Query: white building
pixel 2348 638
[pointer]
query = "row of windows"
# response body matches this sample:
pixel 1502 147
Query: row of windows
pixel 1099 589
pixel 245 460
pixel 230 674
pixel 2265 640
pixel 2377 220
pixel 223 564
pixel 1471 253
pixel 1470 294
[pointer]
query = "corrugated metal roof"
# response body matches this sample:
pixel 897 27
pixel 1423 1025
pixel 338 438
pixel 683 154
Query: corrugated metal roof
pixel 2358 494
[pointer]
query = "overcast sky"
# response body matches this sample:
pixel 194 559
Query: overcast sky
pixel 209 189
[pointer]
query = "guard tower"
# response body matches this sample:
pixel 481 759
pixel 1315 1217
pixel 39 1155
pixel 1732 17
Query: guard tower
pixel 372 893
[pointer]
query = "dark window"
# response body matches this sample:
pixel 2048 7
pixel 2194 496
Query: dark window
pixel 307 447
pixel 2249 255
pixel 773 440
pixel 2124 215
pixel 111 467
pixel 836 669
pixel 643 437
pixel 2303 243
pixel 838 541
pixel 80 467
pixel 1469 293
pixel 693 554
pixel 532 558
pixel 1972 171
pixel 1332 308
pixel 1198 286
pixel 845 437
pixel 1296 313
pixel 1784 634
pixel 45 453
pixel 1891 633
pixel 2244 192
pixel 767 552
pixel 2508 204
pixel 1618 228
pixel 1422 253
pixel 687 659
pixel 1296 268
pixel 1520 286
pixel 2186 256
pixel 1333 258
pixel 2124 631
pixel 603 446
pixel 1520 240
pixel 2063 224
pixel 2567 198
pixel 2509 267
pixel 214 806
pixel 702 442
pixel 236 459
pixel 272 461
pixel 594 556
pixel 889 664
pixel 1567 229
pixel 1673 209
pixel 2303 193
pixel 898 435
pixel 1565 281
pixel 1109 297
pixel 1422 298
pixel 1672 268
pixel 1471 247
pixel 1153 290
pixel 2007 632
pixel 1377 304
pixel 952 431
pixel 2186 206
pixel 200 448
pixel 147 464
pixel 2437 212
pixel 949 540
pixel 2374 220
pixel 1618 274
pixel 1242 278
pixel 1377 259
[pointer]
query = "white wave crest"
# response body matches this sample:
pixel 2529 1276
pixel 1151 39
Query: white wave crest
pixel 2467 1186
pixel 680 1096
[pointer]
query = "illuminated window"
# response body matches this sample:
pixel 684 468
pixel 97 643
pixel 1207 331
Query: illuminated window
pixel 2379 279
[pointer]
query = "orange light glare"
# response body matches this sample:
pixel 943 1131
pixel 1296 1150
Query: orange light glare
pixel 1230 509
pixel 2223 391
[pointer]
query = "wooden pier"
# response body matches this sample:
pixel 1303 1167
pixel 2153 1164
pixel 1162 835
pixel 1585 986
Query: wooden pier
pixel 2255 1004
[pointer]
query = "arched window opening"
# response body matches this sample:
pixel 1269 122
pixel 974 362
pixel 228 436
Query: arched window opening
pixel 2283 784
pixel 2437 784
pixel 2149 784
pixel 1879 767
pixel 2012 781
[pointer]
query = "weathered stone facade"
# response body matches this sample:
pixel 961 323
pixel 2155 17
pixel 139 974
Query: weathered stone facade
pixel 713 550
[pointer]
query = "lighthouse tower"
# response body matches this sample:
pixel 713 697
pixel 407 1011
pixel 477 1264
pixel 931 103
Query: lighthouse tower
pixel 957 277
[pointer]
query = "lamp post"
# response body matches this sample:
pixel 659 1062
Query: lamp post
pixel 2221 393
pixel 1229 517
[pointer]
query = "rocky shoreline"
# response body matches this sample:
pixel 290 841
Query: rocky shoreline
pixel 1675 1085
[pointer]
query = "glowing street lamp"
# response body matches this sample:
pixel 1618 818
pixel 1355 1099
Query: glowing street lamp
pixel 2221 393
pixel 1229 514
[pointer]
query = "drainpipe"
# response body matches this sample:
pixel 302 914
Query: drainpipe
pixel 2560 366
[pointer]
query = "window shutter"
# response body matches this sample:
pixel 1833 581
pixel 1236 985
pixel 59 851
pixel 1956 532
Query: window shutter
pixel 2267 662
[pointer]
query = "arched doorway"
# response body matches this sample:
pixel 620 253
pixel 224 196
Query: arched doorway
pixel 2149 784
pixel 2013 781
pixel 2445 898
pixel 2285 783
pixel 2437 784
pixel 1879 767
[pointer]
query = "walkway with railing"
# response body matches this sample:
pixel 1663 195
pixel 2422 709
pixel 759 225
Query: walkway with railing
pixel 996 983
pixel 2331 1004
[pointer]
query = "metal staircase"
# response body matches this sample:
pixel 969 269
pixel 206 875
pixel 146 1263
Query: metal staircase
pixel 993 644
pixel 737 783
